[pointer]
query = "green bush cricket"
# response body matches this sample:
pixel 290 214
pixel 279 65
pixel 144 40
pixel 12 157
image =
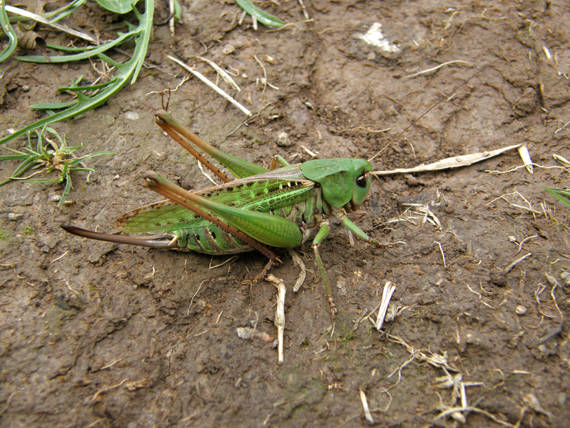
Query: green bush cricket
pixel 260 209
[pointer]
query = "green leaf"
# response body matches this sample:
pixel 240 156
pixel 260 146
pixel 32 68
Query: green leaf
pixel 563 195
pixel 8 31
pixel 260 15
pixel 177 10
pixel 85 54
pixel 126 73
pixel 118 6
pixel 52 106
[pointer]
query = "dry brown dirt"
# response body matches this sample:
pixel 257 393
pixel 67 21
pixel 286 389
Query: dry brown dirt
pixel 96 334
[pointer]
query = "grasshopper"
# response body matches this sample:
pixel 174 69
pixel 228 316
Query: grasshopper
pixel 261 209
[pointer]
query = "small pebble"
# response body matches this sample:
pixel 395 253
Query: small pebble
pixel 15 216
pixel 228 49
pixel 132 115
pixel 283 139
pixel 55 198
pixel 521 310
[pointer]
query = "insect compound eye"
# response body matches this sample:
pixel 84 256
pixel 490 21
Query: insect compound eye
pixel 361 180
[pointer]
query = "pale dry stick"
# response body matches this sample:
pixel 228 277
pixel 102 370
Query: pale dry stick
pixel 452 382
pixel 449 163
pixel 42 20
pixel 516 168
pixel 555 132
pixel 205 174
pixel 517 261
pixel 221 72
pixel 480 297
pixel 108 365
pixel 194 296
pixel 171 19
pixel 437 67
pixel 387 293
pixel 264 80
pixel 546 211
pixel 73 290
pixel 436 360
pixel 107 389
pixel 525 156
pixel 309 152
pixel 8 401
pixel 528 238
pixel 427 215
pixel 365 407
pixel 553 295
pixel 205 80
pixel 537 293
pixel 231 259
pixel 512 204
pixel 95 423
pixel 441 251
pixel 203 332
pixel 59 257
pixel 105 73
pixel 279 313
pixel 516 192
pixel 297 260
pixel 559 158
pixel 185 79
pixel 241 17
pixel 473 409
pixel 431 216
pixel 305 13
pixel 399 371
pixel 366 316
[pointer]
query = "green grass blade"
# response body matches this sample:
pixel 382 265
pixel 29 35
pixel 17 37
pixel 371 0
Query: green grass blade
pixel 563 195
pixel 260 15
pixel 89 156
pixel 52 106
pixel 66 190
pixel 58 14
pixel 12 157
pixel 9 31
pixel 118 6
pixel 84 88
pixel 86 54
pixel 142 47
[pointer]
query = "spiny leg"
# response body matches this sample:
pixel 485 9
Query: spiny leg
pixel 359 233
pixel 277 161
pixel 265 271
pixel 323 232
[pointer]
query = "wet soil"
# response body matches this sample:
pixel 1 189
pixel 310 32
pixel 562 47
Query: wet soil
pixel 97 334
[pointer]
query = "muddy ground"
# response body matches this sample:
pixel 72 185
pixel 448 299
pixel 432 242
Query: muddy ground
pixel 97 334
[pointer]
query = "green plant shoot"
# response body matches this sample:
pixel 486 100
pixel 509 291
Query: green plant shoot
pixel 50 154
